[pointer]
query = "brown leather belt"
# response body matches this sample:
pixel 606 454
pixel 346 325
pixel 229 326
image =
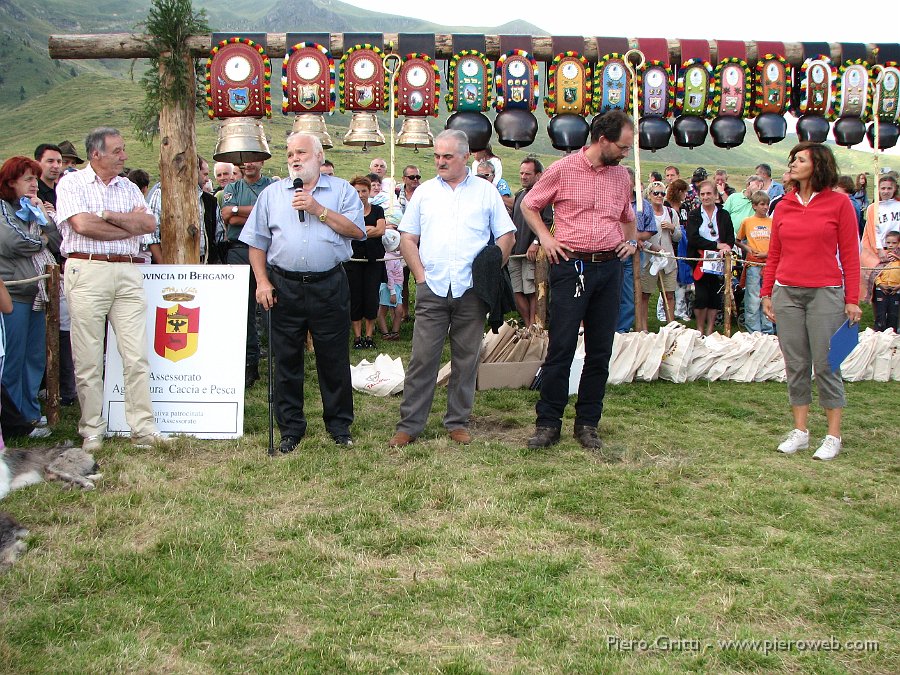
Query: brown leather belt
pixel 104 257
pixel 597 256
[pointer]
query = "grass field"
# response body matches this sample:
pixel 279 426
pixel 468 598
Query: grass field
pixel 686 530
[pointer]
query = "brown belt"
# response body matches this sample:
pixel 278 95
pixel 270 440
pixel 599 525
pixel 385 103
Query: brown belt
pixel 104 257
pixel 597 256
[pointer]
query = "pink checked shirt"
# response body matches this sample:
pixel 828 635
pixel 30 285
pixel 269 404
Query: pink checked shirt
pixel 83 192
pixel 589 205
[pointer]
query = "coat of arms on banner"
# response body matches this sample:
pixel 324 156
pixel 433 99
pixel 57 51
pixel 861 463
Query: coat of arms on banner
pixel 177 326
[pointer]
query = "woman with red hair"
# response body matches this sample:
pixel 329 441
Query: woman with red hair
pixel 27 233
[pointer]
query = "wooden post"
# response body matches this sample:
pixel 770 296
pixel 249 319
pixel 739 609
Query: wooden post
pixel 542 287
pixel 636 275
pixel 178 174
pixel 729 295
pixel 52 321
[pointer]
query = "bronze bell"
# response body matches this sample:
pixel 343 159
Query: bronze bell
pixel 415 133
pixel 313 124
pixel 364 131
pixel 241 139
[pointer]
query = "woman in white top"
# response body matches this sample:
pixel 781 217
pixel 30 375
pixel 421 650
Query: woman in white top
pixel 657 271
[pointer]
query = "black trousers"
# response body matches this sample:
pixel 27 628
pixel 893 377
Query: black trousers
pixel 321 308
pixel 365 280
pixel 598 306
pixel 887 310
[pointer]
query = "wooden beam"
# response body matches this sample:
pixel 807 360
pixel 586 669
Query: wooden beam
pixel 136 46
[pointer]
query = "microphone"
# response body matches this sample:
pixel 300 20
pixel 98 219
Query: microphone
pixel 298 185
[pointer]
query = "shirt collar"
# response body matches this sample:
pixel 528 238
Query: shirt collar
pixel 324 182
pixel 92 176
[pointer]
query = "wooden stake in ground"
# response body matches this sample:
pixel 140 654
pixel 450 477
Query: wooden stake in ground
pixel 542 287
pixel 52 322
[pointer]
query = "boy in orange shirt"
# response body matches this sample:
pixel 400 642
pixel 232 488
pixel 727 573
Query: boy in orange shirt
pixel 753 239
pixel 886 298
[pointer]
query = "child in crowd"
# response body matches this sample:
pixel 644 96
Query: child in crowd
pixel 886 298
pixel 753 239
pixel 390 296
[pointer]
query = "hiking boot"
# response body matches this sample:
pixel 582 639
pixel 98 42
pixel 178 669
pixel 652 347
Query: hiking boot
pixel 829 449
pixel 587 437
pixel 796 440
pixel 544 437
pixel 288 443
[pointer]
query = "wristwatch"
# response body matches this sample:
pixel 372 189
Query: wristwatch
pixel 632 243
pixel 100 214
pixel 234 210
pixel 323 216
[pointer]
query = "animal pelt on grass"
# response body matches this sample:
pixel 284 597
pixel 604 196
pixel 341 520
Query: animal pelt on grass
pixel 70 465
pixel 11 544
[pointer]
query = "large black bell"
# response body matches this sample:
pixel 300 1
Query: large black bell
pixel 812 128
pixel 516 128
pixel 849 131
pixel 770 128
pixel 654 133
pixel 887 135
pixel 475 126
pixel 568 132
pixel 728 131
pixel 690 131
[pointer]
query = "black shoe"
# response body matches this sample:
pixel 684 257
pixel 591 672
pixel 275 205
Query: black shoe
pixel 544 437
pixel 587 437
pixel 359 343
pixel 251 375
pixel 370 342
pixel 341 439
pixel 288 443
pixel 66 401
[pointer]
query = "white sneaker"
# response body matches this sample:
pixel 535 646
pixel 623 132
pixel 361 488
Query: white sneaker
pixel 92 443
pixel 40 432
pixel 796 440
pixel 151 440
pixel 829 449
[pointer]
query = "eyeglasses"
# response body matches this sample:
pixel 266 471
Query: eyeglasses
pixel 658 194
pixel 486 176
pixel 414 177
pixel 622 146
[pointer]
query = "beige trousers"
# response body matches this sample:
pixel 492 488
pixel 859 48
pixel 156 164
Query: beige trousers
pixel 96 290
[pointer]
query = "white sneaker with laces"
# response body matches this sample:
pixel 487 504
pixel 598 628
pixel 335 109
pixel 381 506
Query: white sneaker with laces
pixel 92 443
pixel 151 440
pixel 830 448
pixel 796 440
pixel 40 432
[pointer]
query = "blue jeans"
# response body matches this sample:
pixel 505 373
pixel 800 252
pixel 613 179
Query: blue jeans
pixel 754 319
pixel 598 307
pixel 26 357
pixel 626 301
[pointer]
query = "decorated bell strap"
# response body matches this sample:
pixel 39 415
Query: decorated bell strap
pixel 853 89
pixel 733 89
pixel 469 77
pixel 362 79
pixel 772 84
pixel 612 84
pixel 568 85
pixel 888 90
pixel 695 88
pixel 656 84
pixel 307 79
pixel 516 81
pixel 817 86
pixel 238 76
pixel 417 87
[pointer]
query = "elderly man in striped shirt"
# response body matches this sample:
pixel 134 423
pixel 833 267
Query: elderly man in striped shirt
pixel 102 217
pixel 594 232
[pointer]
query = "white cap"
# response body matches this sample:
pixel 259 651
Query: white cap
pixel 391 240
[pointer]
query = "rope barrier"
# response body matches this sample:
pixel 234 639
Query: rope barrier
pixel 22 282
pixel 663 254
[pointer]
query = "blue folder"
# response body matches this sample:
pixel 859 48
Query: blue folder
pixel 843 342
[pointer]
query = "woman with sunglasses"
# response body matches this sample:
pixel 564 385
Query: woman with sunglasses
pixel 708 228
pixel 668 232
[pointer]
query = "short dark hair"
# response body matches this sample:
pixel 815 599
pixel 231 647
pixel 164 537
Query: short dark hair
pixel 44 147
pixel 139 177
pixel 200 162
pixel 328 162
pixel 373 178
pixel 656 176
pixel 610 125
pixel 766 169
pixel 846 184
pixel 825 171
pixel 535 162
pixel 674 168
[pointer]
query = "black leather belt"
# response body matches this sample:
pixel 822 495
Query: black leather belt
pixel 305 277
pixel 237 244
pixel 597 256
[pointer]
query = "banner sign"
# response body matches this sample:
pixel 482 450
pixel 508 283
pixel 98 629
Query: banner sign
pixel 196 335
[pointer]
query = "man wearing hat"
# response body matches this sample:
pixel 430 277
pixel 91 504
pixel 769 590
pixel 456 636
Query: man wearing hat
pixel 70 158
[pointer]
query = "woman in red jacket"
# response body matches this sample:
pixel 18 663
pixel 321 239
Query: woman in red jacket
pixel 807 292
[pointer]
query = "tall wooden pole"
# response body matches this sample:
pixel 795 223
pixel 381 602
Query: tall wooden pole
pixel 180 224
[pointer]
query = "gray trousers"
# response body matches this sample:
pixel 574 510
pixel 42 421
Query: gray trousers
pixel 464 319
pixel 806 319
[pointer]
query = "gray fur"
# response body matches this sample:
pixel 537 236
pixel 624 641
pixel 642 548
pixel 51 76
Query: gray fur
pixel 65 463
pixel 11 544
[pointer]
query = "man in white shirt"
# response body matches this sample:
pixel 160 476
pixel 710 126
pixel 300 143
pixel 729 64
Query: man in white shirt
pixel 447 223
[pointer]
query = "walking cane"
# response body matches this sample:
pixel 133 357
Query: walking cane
pixel 271 386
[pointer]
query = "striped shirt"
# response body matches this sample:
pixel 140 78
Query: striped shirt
pixel 589 204
pixel 83 192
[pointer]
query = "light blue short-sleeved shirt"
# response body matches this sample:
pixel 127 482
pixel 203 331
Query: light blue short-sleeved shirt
pixel 453 226
pixel 308 246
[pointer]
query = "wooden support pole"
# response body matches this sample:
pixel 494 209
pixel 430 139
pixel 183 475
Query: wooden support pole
pixel 729 294
pixel 636 276
pixel 136 46
pixel 542 287
pixel 52 322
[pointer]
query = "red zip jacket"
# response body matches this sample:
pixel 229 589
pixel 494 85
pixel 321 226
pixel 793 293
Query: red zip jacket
pixel 807 241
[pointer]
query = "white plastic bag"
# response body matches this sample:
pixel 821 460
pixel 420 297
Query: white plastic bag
pixel 381 378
